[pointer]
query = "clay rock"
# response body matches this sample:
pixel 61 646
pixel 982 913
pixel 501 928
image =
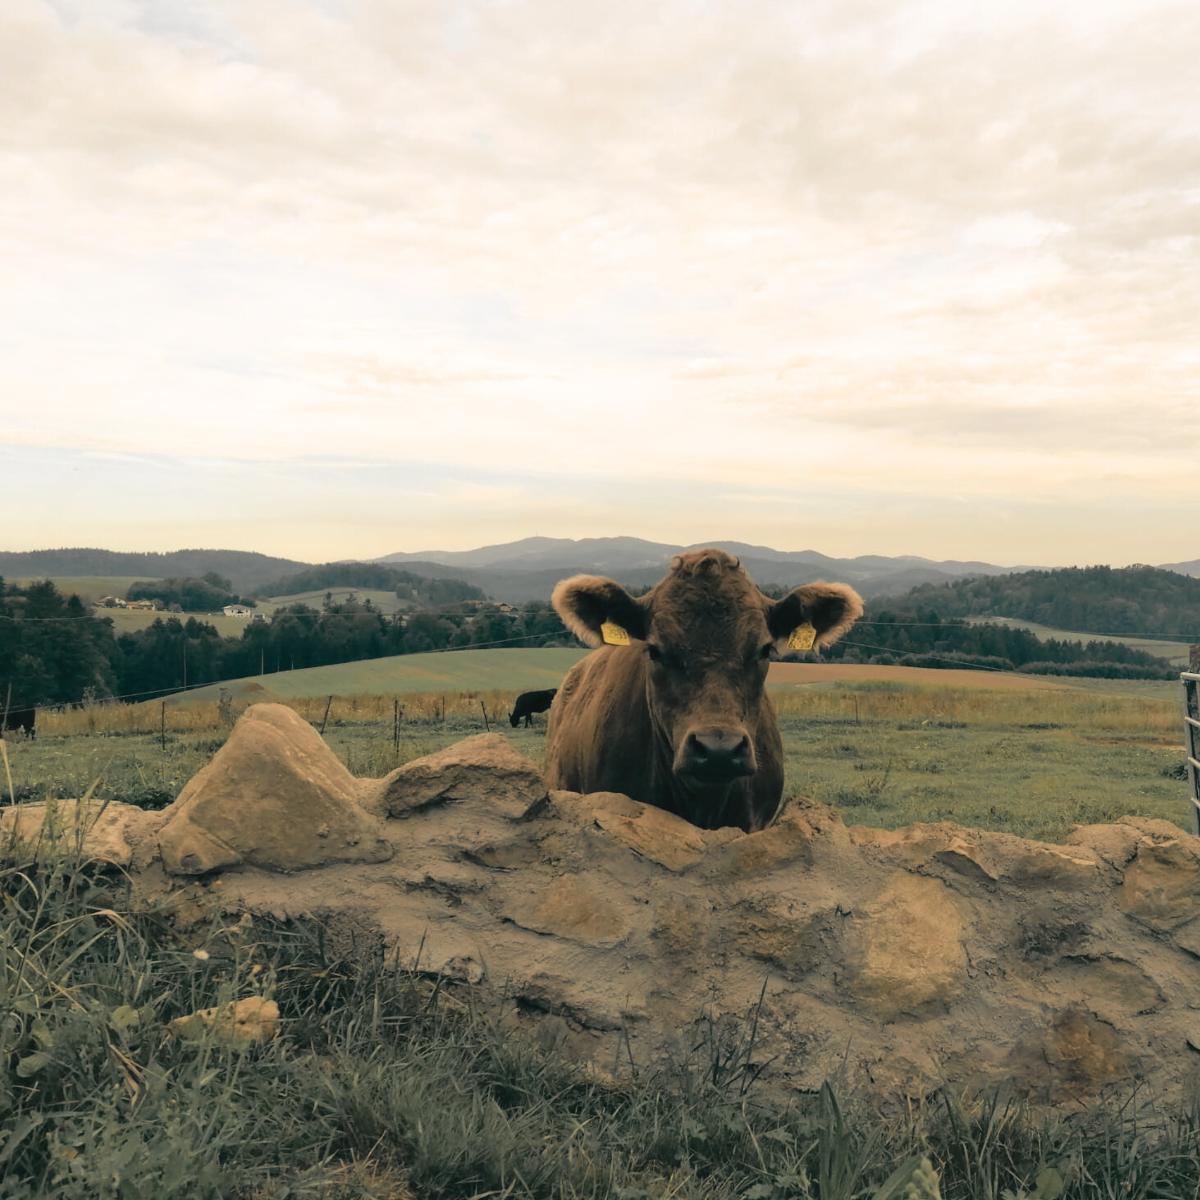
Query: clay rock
pixel 904 950
pixel 273 796
pixel 99 830
pixel 985 858
pixel 1162 884
pixel 651 833
pixel 577 907
pixel 240 1023
pixel 1110 986
pixel 484 769
pixel 1036 863
pixel 802 831
pixel 1115 844
pixel 1073 1057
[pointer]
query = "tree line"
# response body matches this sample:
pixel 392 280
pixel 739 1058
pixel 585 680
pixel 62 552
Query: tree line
pixel 188 594
pixel 1106 600
pixel 418 589
pixel 53 650
pixel 923 637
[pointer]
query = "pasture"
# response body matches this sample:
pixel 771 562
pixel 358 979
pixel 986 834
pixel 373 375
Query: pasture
pixel 1030 760
pixel 521 670
pixel 386 602
pixel 127 620
pixel 454 671
pixel 383 1083
pixel 1175 653
pixel 89 588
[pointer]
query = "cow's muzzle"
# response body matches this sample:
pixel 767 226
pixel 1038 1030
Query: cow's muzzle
pixel 712 755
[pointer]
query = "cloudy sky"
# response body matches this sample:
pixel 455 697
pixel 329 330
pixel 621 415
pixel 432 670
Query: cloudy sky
pixel 327 278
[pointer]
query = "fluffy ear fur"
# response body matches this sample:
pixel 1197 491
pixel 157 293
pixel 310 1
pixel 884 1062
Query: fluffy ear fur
pixel 831 609
pixel 585 602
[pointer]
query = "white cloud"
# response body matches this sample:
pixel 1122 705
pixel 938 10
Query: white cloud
pixel 917 249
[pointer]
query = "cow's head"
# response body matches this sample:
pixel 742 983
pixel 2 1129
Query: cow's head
pixel 709 635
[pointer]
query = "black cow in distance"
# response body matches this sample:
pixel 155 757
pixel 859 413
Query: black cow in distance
pixel 529 703
pixel 19 718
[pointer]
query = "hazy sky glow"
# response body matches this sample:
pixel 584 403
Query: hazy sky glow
pixel 338 278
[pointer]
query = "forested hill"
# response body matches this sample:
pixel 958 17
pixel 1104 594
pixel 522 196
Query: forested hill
pixel 245 570
pixel 407 585
pixel 1120 600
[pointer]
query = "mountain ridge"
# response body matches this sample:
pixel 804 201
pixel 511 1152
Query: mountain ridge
pixel 528 568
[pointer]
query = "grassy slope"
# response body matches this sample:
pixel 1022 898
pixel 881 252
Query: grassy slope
pixel 91 587
pixel 478 670
pixel 386 602
pixel 1173 652
pixel 1026 762
pixel 130 621
pixel 514 669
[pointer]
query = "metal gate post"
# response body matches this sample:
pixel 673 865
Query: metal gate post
pixel 1191 725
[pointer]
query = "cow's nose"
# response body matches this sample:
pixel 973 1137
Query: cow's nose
pixel 723 753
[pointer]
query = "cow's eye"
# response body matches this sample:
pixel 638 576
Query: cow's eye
pixel 768 651
pixel 654 652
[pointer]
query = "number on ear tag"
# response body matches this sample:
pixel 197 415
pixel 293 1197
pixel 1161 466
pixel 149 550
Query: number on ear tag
pixel 613 635
pixel 803 637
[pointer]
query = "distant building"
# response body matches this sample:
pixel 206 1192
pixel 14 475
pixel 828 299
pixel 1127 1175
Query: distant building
pixel 111 602
pixel 238 610
pixel 142 605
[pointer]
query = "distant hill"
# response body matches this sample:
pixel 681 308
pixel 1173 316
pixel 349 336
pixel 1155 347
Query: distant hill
pixel 1184 568
pixel 408 585
pixel 528 569
pixel 1105 600
pixel 245 570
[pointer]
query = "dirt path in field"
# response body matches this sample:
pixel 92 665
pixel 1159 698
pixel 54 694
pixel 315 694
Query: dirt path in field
pixel 798 674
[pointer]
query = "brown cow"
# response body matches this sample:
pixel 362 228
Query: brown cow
pixel 680 718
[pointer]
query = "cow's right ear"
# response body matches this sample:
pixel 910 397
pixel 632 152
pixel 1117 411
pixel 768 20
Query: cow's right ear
pixel 585 602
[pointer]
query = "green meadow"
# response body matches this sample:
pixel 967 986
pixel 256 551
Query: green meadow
pixel 1030 762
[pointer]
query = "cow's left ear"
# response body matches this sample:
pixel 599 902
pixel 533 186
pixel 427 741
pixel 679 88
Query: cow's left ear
pixel 830 608
pixel 585 602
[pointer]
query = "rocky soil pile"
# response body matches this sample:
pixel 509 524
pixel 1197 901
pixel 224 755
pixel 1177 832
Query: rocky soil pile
pixel 904 958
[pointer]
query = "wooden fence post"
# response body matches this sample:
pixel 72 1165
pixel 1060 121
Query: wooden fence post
pixel 1194 659
pixel 483 709
pixel 396 727
pixel 162 726
pixel 328 704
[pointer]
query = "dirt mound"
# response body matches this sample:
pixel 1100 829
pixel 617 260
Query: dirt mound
pixel 905 958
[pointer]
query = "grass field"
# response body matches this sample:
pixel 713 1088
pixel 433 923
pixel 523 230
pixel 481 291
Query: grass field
pixel 89 588
pixel 127 620
pixel 383 1085
pixel 1032 761
pixel 1175 653
pixel 483 670
pixel 386 602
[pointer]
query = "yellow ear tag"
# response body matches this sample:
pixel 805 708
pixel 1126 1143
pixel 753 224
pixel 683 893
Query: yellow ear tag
pixel 613 635
pixel 802 637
